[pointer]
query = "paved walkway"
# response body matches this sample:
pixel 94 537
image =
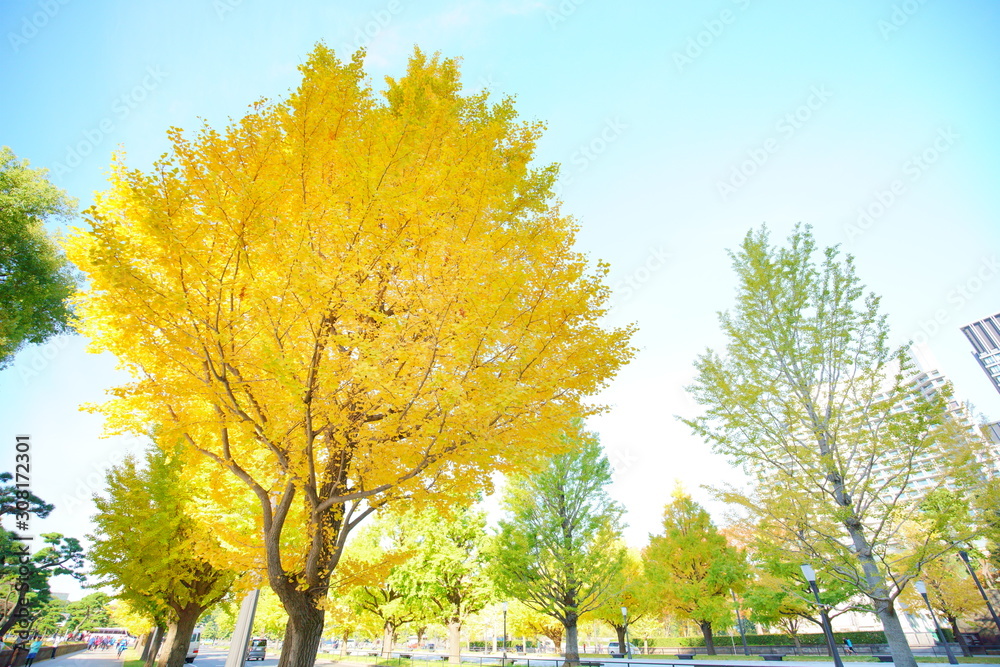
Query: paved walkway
pixel 86 658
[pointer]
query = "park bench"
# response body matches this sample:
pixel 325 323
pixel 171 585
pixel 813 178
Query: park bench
pixel 772 657
pixel 884 658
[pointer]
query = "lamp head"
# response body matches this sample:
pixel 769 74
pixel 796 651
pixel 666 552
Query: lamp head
pixel 921 587
pixel 809 573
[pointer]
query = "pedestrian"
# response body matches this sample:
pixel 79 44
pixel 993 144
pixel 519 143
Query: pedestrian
pixel 33 651
pixel 122 645
pixel 848 646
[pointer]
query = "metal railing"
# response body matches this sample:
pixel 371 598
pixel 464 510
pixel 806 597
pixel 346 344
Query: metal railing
pixel 653 656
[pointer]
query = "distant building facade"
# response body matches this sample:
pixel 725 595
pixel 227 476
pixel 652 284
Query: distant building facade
pixel 984 336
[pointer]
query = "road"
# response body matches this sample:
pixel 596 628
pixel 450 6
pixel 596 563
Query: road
pixel 209 657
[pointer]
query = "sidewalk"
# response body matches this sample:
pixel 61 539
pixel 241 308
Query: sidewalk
pixel 86 658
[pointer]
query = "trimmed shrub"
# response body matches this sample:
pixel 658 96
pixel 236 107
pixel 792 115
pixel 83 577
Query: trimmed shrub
pixel 810 639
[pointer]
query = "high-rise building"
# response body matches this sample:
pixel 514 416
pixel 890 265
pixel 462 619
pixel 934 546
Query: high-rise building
pixel 927 381
pixel 992 431
pixel 985 338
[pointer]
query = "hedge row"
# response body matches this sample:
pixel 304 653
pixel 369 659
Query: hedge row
pixel 817 639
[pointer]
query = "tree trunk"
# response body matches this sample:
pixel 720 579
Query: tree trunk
pixel 18 613
pixel 303 632
pixel 388 632
pixel 343 643
pixel 147 643
pixel 958 636
pixel 620 631
pixel 706 632
pixel 572 645
pixel 455 642
pixel 902 656
pixel 179 636
pixel 155 646
pixel 899 648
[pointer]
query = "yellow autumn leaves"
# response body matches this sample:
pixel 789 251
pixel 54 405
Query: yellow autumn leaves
pixel 340 300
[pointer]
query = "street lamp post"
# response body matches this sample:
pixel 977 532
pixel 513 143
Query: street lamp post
pixel 922 589
pixel 504 661
pixel 628 645
pixel 965 557
pixel 739 623
pixel 810 574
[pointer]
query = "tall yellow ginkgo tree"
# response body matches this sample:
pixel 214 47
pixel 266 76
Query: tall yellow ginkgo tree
pixel 344 299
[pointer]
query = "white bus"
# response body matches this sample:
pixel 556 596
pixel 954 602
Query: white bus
pixel 193 646
pixel 112 634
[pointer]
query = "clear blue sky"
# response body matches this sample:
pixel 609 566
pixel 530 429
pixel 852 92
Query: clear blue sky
pixel 679 125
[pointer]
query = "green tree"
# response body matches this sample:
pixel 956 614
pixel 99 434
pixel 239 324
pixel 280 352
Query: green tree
pixel 24 577
pixel 35 278
pixel 270 618
pixel 818 409
pixel 629 589
pixel 779 595
pixel 217 623
pixel 448 568
pixel 51 617
pixel 558 549
pixel 950 589
pixel 526 621
pixel 691 568
pixel 14 501
pixel 385 587
pixel 342 621
pixel 148 546
pixel 952 593
pixel 90 611
pixel 23 594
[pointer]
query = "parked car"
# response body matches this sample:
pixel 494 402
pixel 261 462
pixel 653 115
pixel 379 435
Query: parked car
pixel 614 649
pixel 257 649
